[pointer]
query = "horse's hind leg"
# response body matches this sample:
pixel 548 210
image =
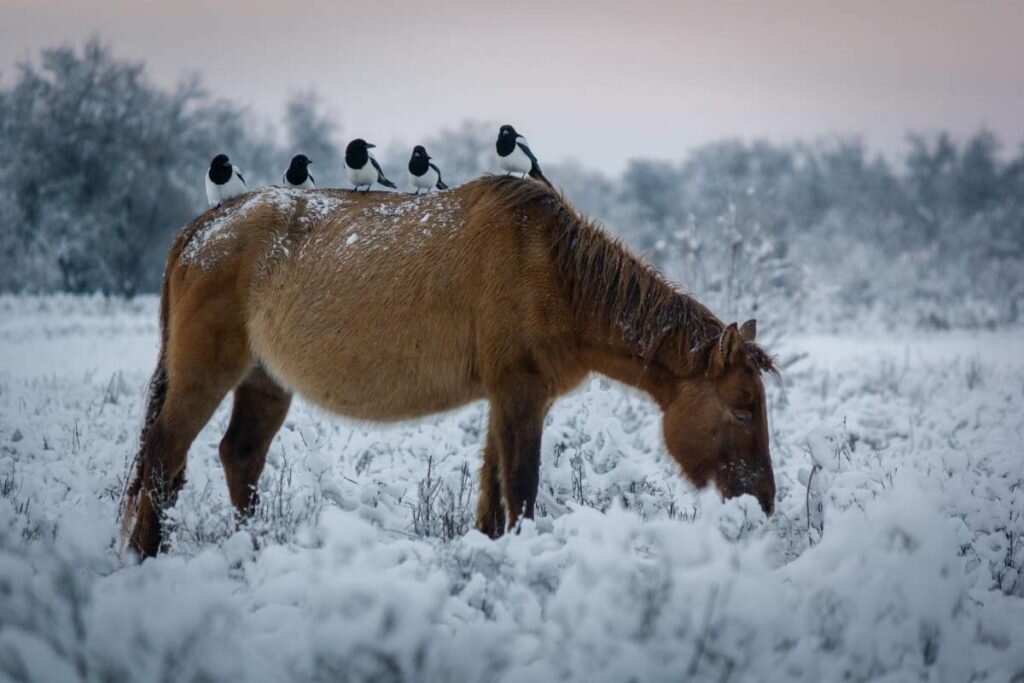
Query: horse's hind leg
pixel 203 363
pixel 260 408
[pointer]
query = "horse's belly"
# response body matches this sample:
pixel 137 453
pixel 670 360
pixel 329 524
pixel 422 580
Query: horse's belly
pixel 368 366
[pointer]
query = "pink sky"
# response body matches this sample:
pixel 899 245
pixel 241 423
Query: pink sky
pixel 597 81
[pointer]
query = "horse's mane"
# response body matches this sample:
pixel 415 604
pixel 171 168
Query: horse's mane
pixel 605 280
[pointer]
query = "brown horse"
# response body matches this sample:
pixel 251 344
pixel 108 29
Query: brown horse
pixel 386 306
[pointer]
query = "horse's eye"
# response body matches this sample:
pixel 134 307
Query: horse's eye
pixel 743 416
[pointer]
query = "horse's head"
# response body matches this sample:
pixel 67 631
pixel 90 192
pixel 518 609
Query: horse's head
pixel 717 426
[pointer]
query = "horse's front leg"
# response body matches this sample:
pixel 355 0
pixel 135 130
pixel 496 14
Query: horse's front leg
pixel 490 508
pixel 518 420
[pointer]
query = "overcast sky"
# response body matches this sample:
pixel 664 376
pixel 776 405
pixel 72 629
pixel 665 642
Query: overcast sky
pixel 597 81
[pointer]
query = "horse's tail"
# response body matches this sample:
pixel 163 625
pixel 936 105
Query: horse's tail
pixel 154 403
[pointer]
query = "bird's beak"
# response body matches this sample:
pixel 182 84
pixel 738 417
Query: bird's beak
pixel 369 145
pixel 309 161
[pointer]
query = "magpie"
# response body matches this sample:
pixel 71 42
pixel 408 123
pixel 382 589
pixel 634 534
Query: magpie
pixel 223 181
pixel 424 174
pixel 514 155
pixel 298 175
pixel 361 168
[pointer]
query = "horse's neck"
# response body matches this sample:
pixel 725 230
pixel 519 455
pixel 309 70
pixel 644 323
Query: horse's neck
pixel 654 364
pixel 635 326
pixel 653 378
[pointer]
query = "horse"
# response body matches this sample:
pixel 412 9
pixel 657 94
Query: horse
pixel 385 307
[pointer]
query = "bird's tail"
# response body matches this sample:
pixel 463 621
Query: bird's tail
pixel 441 185
pixel 387 183
pixel 536 174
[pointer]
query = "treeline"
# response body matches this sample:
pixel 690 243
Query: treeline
pixel 100 167
pixel 832 231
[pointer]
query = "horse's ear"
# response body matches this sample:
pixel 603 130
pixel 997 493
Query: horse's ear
pixel 727 351
pixel 748 331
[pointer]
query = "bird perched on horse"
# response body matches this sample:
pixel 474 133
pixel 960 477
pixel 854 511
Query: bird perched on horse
pixel 515 155
pixel 298 176
pixel 223 181
pixel 424 173
pixel 361 168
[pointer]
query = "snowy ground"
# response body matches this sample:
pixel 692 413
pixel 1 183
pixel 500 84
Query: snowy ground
pixel 911 566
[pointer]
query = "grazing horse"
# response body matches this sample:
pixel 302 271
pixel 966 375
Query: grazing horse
pixel 385 307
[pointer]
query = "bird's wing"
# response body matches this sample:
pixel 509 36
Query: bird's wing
pixel 527 152
pixel 380 174
pixel 311 178
pixel 240 176
pixel 535 171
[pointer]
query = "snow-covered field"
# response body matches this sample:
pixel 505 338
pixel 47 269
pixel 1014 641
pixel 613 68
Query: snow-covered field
pixel 905 452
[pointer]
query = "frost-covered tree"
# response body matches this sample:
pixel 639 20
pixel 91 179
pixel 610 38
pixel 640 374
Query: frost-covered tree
pixel 652 189
pixel 100 167
pixel 977 174
pixel 592 192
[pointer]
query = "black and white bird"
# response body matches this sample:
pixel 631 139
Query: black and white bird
pixel 423 173
pixel 298 176
pixel 514 155
pixel 360 166
pixel 223 181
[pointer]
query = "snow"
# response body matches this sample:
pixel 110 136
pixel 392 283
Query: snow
pixel 360 565
pixel 208 244
pixel 382 227
pixel 375 227
pixel 320 205
pixel 218 228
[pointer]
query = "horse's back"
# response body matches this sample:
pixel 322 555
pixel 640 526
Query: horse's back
pixel 369 308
